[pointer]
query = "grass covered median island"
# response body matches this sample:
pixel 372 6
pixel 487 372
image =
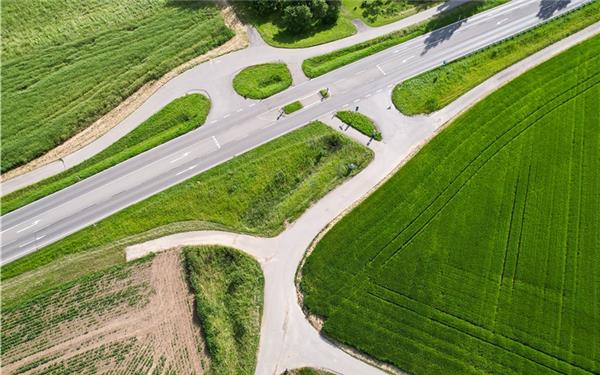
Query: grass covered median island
pixel 437 88
pixel 257 192
pixel 480 254
pixel 360 122
pixel 82 59
pixel 319 65
pixel 292 107
pixel 381 12
pixel 228 287
pixel 176 118
pixel 262 81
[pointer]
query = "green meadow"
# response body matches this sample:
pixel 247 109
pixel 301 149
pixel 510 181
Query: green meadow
pixel 480 255
pixel 228 287
pixel 65 63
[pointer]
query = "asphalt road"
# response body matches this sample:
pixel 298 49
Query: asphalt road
pixel 54 217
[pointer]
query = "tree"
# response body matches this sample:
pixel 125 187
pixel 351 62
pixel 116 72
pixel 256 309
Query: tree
pixel 319 9
pixel 297 18
pixel 333 12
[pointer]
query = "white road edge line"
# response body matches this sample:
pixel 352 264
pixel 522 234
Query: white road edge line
pixel 216 142
pixel 381 70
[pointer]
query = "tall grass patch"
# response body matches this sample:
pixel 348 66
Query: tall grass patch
pixel 437 88
pixel 66 64
pixel 228 288
pixel 480 254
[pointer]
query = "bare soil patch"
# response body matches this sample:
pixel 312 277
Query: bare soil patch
pixel 138 319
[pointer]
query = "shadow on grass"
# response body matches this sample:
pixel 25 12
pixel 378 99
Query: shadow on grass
pixel 549 7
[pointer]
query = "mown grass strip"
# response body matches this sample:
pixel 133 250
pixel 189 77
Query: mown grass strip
pixel 228 287
pixel 176 118
pixel 292 107
pixel 437 88
pixel 262 81
pixel 53 89
pixel 360 122
pixel 483 227
pixel 319 65
pixel 257 192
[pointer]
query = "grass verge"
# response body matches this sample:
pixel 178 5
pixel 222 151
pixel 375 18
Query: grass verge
pixel 82 59
pixel 257 192
pixel 378 13
pixel 437 88
pixel 479 255
pixel 292 107
pixel 360 122
pixel 262 81
pixel 228 287
pixel 176 118
pixel 321 64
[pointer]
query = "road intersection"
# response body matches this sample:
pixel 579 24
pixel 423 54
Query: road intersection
pixel 236 126
pixel 287 339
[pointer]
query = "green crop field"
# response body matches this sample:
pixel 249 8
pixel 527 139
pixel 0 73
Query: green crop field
pixel 481 255
pixel 439 87
pixel 262 81
pixel 257 192
pixel 66 63
pixel 176 118
pixel 228 287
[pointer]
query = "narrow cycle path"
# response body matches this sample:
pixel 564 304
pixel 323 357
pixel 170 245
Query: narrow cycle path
pixel 288 340
pixel 60 214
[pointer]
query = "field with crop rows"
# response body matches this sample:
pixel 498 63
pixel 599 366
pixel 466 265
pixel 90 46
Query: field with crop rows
pixel 66 63
pixel 134 318
pixel 481 254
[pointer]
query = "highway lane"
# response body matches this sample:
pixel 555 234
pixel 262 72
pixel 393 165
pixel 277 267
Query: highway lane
pixel 56 216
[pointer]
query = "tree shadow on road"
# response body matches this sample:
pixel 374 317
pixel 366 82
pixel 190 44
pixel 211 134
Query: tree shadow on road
pixel 549 7
pixel 439 36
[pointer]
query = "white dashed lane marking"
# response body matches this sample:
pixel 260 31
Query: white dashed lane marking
pixel 216 142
